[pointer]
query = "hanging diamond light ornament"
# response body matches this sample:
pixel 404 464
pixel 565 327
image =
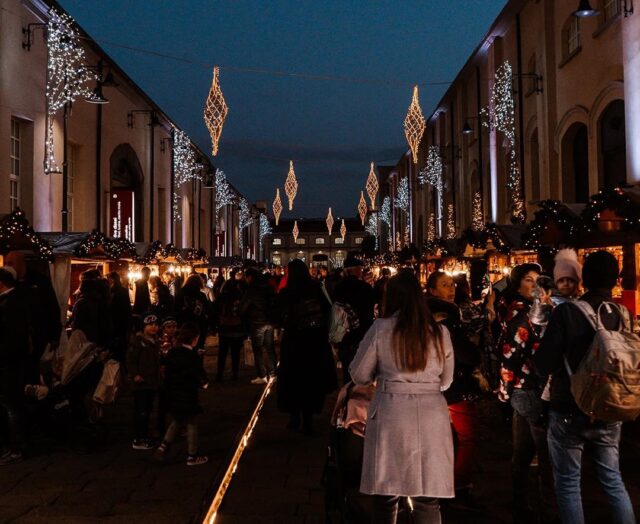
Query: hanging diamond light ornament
pixel 295 231
pixel 215 111
pixel 291 185
pixel 277 206
pixel 330 222
pixel 362 207
pixel 343 230
pixel 414 125
pixel 372 186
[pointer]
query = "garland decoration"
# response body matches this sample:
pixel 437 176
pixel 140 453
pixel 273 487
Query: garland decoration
pixel 16 223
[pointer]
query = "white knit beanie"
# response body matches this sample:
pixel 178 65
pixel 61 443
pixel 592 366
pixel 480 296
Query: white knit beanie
pixel 567 266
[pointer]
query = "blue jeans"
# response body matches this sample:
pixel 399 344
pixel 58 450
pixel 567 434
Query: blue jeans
pixel 567 436
pixel 262 341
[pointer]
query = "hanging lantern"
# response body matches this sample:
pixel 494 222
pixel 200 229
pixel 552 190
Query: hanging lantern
pixel 362 207
pixel 330 222
pixel 295 231
pixel 372 186
pixel 291 185
pixel 414 125
pixel 277 206
pixel 215 111
pixel 343 230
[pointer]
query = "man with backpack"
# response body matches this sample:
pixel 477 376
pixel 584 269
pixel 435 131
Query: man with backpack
pixel 592 333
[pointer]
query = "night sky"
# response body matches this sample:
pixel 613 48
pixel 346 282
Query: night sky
pixel 331 128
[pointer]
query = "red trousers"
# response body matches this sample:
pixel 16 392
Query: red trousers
pixel 464 423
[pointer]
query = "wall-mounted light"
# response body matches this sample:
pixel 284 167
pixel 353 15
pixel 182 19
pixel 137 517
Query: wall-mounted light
pixel 585 10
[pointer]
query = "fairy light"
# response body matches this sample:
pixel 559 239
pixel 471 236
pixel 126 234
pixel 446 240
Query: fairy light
pixel 16 224
pixel 224 194
pixel 372 186
pixel 414 125
pixel 372 227
pixel 264 229
pixel 362 207
pixel 185 166
pixel 343 230
pixel 215 111
pixel 451 224
pixel 431 228
pixel 295 231
pixel 244 220
pixel 500 115
pixel 385 211
pixel 431 173
pixel 330 222
pixel 291 185
pixel 477 218
pixel 67 76
pixel 277 206
pixel 402 200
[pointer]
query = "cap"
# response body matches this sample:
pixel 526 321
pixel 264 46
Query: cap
pixel 151 318
pixel 169 320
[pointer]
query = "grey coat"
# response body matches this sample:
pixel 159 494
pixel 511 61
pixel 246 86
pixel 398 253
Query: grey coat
pixel 408 447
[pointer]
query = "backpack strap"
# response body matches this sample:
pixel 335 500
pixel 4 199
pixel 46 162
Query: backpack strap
pixel 588 312
pixel 623 313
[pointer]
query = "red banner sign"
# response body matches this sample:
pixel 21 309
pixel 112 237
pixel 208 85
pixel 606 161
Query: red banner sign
pixel 123 214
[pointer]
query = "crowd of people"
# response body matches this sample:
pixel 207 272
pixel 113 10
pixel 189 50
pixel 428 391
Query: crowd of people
pixel 432 351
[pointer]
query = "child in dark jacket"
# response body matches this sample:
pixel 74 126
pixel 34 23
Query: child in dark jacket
pixel 143 363
pixel 183 378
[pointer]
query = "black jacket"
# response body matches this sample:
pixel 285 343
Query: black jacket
pixel 361 297
pixel 14 343
pixel 570 334
pixel 183 376
pixel 142 302
pixel 256 305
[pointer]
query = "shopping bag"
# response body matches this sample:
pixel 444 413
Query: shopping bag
pixel 107 388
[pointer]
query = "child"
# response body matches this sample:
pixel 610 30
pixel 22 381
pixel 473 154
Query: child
pixel 143 363
pixel 167 341
pixel 182 380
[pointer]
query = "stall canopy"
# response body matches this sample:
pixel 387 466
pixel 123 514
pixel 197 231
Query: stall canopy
pixel 505 237
pixel 16 234
pixel 555 225
pixel 92 245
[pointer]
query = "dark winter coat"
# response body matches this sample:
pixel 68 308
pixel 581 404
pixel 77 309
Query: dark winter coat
pixel 183 375
pixel 142 301
pixel 230 322
pixel 14 343
pixel 91 315
pixel 362 298
pixel 307 368
pixel 43 308
pixel 467 356
pixel 256 305
pixel 144 360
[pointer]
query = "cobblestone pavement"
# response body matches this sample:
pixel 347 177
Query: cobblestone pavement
pixel 278 478
pixel 117 484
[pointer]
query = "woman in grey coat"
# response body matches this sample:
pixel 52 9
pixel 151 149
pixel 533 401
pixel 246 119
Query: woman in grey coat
pixel 408 446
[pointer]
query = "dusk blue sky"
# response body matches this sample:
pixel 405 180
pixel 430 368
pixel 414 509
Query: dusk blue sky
pixel 332 129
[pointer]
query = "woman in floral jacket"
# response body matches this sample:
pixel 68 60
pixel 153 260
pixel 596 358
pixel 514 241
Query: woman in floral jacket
pixel 520 386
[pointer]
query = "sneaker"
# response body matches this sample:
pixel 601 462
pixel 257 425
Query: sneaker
pixel 260 380
pixel 142 444
pixel 10 458
pixel 197 460
pixel 161 451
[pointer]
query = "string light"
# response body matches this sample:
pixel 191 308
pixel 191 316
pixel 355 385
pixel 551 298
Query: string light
pixel 224 194
pixel 451 224
pixel 477 218
pixel 185 167
pixel 372 227
pixel 362 207
pixel 385 211
pixel 291 185
pixel 15 224
pixel 215 111
pixel 264 229
pixel 616 201
pixel 398 242
pixel 414 125
pixel 114 248
pixel 431 174
pixel 277 206
pixel 402 200
pixel 500 115
pixel 295 231
pixel 244 220
pixel 372 186
pixel 431 228
pixel 330 222
pixel 343 230
pixel 67 76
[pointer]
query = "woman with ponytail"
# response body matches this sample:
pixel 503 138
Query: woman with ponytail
pixel 408 447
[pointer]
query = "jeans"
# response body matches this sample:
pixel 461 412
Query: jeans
pixel 142 407
pixel 568 434
pixel 192 433
pixel 464 423
pixel 529 439
pixel 262 340
pixel 233 344
pixel 425 510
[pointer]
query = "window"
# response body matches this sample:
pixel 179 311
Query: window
pixel 339 259
pixel 320 241
pixel 301 241
pixel 277 241
pixel 15 155
pixel 610 10
pixel 359 241
pixel 339 241
pixel 570 37
pixel 72 169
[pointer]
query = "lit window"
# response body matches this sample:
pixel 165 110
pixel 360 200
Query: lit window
pixel 301 241
pixel 277 241
pixel 359 241
pixel 339 240
pixel 320 241
pixel 14 175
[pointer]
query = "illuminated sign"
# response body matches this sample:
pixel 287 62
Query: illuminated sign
pixel 122 214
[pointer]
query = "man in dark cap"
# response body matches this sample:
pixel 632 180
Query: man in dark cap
pixel 359 295
pixel 566 341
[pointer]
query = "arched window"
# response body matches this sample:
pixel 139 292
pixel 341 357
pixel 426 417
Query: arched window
pixel 571 37
pixel 612 146
pixel 575 164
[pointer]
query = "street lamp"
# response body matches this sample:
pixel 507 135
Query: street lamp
pixel 585 10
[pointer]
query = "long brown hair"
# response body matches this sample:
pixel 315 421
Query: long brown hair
pixel 415 327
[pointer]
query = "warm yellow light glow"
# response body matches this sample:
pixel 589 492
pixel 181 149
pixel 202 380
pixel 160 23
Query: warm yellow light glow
pixel 291 185
pixel 414 125
pixel 215 111
pixel 277 206
pixel 477 219
pixel 451 223
pixel 295 231
pixel 343 230
pixel 330 222
pixel 362 207
pixel 372 186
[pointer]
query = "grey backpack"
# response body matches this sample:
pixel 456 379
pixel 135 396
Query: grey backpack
pixel 606 384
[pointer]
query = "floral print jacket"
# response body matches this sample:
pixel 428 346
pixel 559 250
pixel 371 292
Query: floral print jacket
pixel 518 343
